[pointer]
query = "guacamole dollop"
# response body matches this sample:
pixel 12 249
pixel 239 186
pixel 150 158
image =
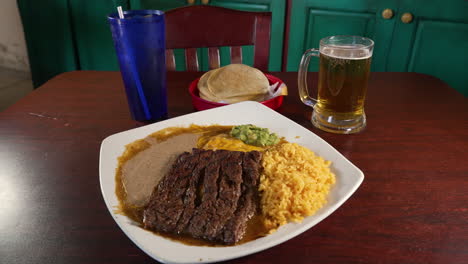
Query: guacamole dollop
pixel 254 135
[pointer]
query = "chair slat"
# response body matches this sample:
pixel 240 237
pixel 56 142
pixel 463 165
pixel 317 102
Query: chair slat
pixel 191 59
pixel 170 60
pixel 262 42
pixel 236 54
pixel 213 57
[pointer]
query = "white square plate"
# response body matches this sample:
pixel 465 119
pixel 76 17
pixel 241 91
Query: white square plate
pixel 348 179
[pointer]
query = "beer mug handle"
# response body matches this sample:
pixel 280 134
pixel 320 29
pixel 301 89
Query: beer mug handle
pixel 302 78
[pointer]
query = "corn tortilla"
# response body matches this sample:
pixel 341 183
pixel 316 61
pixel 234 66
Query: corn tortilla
pixel 233 83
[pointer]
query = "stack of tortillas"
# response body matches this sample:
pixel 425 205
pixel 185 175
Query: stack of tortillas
pixel 233 83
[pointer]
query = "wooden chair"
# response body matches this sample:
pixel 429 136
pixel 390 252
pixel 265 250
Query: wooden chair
pixel 212 27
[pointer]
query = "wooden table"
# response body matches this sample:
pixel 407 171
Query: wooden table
pixel 411 208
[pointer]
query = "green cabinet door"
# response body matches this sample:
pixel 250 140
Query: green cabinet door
pixel 93 39
pixel 49 38
pixel 312 20
pixel 434 42
pixel 163 5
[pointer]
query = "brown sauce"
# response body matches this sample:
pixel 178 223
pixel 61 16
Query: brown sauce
pixel 255 227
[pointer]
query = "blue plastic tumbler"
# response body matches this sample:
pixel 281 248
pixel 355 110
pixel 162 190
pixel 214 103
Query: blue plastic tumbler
pixel 140 43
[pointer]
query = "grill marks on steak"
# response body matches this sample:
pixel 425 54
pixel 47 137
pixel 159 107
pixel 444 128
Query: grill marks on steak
pixel 213 201
pixel 209 192
pixel 234 229
pixel 171 190
pixel 222 189
pixel 192 195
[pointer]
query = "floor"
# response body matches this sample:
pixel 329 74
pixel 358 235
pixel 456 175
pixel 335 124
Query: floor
pixel 13 86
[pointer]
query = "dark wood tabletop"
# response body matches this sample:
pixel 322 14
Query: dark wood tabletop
pixel 411 208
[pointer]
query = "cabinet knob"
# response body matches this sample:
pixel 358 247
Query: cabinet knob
pixel 190 2
pixel 205 2
pixel 387 13
pixel 407 18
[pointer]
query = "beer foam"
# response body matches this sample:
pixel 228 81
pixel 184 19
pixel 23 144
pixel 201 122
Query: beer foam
pixel 349 52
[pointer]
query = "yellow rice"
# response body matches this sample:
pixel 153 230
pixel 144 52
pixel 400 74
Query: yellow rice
pixel 294 184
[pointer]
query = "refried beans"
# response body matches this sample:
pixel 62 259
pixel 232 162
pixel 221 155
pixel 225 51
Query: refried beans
pixel 142 172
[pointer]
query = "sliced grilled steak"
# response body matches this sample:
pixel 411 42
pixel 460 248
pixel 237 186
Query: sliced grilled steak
pixel 235 228
pixel 192 196
pixel 207 194
pixel 166 204
pixel 218 206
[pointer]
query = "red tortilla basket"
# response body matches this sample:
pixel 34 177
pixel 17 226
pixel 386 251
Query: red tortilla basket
pixel 202 104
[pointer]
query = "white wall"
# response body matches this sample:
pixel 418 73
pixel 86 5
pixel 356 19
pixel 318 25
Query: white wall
pixel 13 52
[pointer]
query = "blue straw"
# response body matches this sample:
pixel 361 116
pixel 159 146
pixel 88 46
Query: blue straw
pixel 134 71
pixel 141 94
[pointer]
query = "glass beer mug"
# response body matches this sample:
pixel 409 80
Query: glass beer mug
pixel 343 76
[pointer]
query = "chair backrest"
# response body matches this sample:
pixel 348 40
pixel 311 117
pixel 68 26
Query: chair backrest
pixel 212 27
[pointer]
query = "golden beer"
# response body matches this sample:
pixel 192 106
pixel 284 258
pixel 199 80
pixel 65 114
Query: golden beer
pixel 342 86
pixel 344 70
